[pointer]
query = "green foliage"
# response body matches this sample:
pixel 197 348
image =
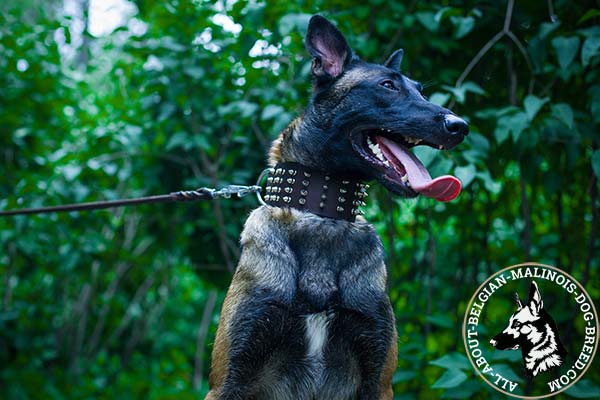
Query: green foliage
pixel 124 303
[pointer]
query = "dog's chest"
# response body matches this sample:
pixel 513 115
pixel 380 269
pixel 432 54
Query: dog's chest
pixel 330 257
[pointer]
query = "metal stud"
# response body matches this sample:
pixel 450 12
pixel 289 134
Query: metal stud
pixel 269 180
pixel 342 190
pixel 345 182
pixel 276 198
pixel 357 212
pixel 288 190
pixel 327 177
pixel 325 187
pixel 340 209
pixel 302 201
pixel 269 188
pixel 292 172
pixel 321 204
pixel 291 181
pixel 359 203
pixel 307 174
pixel 287 199
pixel 304 192
pixel 323 196
pixel 279 171
pixel 341 199
pixel 305 183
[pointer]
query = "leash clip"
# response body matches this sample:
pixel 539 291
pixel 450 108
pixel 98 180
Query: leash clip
pixel 264 174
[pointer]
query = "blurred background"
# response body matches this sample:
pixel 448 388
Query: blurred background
pixel 105 99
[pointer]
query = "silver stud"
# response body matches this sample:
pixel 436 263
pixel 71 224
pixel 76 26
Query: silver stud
pixel 269 188
pixel 269 180
pixel 288 190
pixel 359 203
pixel 292 172
pixel 291 181
pixel 327 177
pixel 276 198
pixel 341 199
pixel 357 212
pixel 325 187
pixel 321 204
pixel 323 196
pixel 342 190
pixel 302 201
pixel 279 171
pixel 307 174
pixel 304 192
pixel 287 199
pixel 340 209
pixel 305 183
pixel 345 182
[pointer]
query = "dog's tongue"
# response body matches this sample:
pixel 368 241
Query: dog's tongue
pixel 442 188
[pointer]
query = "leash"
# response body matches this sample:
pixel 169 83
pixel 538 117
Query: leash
pixel 202 193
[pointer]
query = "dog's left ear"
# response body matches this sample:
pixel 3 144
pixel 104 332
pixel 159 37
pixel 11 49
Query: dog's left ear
pixel 395 60
pixel 328 47
pixel 535 299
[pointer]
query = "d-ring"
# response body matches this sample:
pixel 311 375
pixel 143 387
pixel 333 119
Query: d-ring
pixel 265 173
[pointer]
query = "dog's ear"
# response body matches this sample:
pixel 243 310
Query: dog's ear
pixel 395 60
pixel 518 301
pixel 535 299
pixel 328 47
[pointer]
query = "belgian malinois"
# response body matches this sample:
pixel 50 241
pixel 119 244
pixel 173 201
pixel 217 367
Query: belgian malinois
pixel 531 329
pixel 307 315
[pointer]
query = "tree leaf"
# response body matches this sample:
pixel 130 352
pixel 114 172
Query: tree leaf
pixel 584 389
pixel 564 113
pixel 590 48
pixel 453 360
pixel 566 50
pixel 533 104
pixel 466 174
pixel 449 379
pixel 464 26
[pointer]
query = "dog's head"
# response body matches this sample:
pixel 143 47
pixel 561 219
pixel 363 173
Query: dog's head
pixel 526 326
pixel 367 117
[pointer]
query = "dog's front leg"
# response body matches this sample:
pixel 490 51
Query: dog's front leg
pixel 261 328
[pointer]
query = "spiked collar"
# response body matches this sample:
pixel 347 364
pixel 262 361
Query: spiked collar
pixel 294 185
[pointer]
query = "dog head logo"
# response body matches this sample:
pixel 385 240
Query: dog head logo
pixel 531 329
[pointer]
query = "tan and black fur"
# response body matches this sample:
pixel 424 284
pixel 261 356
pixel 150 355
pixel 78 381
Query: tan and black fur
pixel 307 316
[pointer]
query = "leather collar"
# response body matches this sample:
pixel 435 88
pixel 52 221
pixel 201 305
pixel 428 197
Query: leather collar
pixel 293 185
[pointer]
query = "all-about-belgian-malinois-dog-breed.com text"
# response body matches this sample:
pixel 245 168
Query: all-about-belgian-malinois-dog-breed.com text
pixel 307 315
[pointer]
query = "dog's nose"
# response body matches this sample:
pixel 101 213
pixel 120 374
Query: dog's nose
pixel 455 125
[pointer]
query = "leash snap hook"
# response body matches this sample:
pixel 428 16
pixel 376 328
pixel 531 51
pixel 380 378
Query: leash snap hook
pixel 264 174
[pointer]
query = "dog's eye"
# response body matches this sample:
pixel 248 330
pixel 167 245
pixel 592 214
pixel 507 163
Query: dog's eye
pixel 389 85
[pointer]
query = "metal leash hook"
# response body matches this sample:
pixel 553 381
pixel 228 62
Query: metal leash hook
pixel 264 174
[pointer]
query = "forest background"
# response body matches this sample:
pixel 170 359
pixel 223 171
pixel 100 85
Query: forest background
pixel 112 99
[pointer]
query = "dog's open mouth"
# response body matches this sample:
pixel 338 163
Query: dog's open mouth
pixel 404 170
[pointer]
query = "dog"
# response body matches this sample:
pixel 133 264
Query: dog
pixel 532 330
pixel 307 315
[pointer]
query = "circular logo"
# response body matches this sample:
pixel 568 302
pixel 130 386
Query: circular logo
pixel 531 331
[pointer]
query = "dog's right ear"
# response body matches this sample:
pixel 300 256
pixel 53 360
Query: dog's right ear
pixel 395 60
pixel 535 299
pixel 328 47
